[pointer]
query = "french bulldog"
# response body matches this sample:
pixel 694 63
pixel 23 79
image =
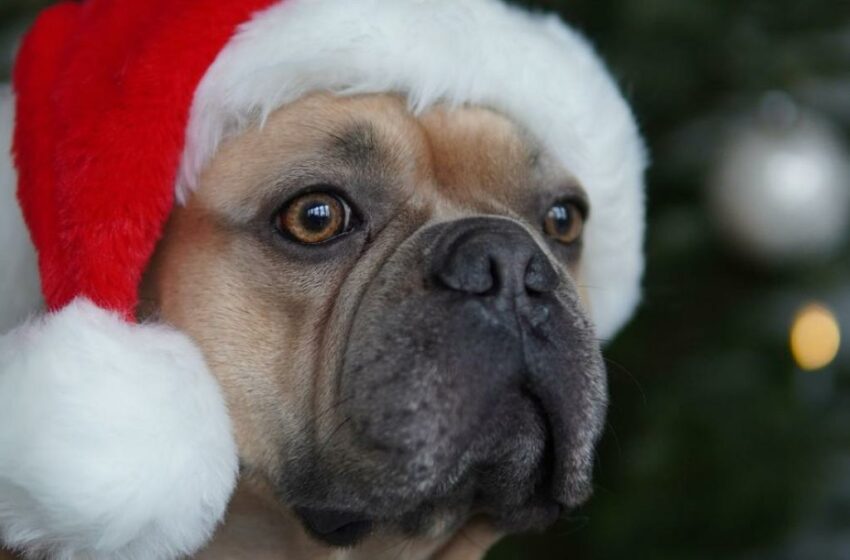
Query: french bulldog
pixel 393 306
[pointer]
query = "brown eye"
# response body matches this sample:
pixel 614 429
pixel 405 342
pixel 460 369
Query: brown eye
pixel 564 222
pixel 315 218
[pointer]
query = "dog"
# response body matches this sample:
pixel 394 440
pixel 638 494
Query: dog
pixel 400 302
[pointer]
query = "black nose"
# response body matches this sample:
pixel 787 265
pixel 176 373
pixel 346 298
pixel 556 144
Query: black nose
pixel 492 257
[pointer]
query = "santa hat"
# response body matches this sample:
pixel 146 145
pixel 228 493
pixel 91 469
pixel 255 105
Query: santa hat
pixel 114 438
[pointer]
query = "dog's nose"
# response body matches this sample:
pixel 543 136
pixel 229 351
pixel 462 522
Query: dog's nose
pixel 492 257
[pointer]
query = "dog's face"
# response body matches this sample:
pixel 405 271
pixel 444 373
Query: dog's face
pixel 392 305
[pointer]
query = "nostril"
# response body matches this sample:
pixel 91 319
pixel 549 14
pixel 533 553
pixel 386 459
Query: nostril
pixel 540 276
pixel 500 261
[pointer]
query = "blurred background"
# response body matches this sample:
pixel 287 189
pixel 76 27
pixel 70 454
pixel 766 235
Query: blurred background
pixel 729 427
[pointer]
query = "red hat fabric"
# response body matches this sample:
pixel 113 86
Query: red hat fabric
pixel 117 98
pixel 115 440
pixel 104 89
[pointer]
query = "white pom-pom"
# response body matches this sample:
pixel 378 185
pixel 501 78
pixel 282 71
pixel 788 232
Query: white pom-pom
pixel 114 439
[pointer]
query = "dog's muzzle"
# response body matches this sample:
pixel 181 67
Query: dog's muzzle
pixel 472 384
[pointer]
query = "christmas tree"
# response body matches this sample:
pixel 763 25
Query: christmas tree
pixel 729 426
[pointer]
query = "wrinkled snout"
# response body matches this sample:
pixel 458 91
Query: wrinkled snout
pixel 472 381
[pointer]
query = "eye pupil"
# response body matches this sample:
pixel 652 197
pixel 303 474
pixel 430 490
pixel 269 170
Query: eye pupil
pixel 316 217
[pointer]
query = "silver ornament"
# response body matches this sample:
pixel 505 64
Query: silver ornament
pixel 781 190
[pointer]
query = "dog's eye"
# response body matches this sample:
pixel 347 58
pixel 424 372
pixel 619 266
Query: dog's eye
pixel 564 222
pixel 315 218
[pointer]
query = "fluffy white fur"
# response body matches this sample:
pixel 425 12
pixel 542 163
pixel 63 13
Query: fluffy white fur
pixel 532 68
pixel 114 439
pixel 20 292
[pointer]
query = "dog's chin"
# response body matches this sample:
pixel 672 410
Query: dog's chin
pixel 346 528
pixel 513 458
pixel 431 515
pixel 339 528
pixel 506 481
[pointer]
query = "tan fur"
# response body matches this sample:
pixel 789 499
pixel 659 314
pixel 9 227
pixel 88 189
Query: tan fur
pixel 273 331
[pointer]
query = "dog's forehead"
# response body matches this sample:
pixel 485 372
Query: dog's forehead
pixel 481 160
pixel 448 159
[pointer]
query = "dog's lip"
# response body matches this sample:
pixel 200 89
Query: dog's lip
pixel 334 527
pixel 346 529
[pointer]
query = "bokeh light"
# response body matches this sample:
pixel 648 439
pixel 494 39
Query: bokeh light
pixel 815 337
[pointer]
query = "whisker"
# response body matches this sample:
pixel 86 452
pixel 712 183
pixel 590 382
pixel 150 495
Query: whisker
pixel 625 370
pixel 589 287
pixel 331 408
pixel 332 434
pixel 392 546
pixel 575 524
pixel 467 537
pixel 403 551
pixel 616 439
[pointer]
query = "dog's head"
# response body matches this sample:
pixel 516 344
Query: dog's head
pixel 394 306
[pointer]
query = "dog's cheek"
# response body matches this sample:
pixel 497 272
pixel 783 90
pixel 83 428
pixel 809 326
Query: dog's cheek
pixel 211 286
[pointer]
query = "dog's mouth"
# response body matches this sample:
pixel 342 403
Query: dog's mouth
pixel 336 528
pixel 345 529
pixel 511 488
pixel 518 460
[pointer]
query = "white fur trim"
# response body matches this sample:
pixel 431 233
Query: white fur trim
pixel 532 68
pixel 114 439
pixel 20 289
